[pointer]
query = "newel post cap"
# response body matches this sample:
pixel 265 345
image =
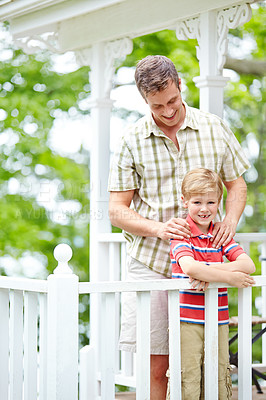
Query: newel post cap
pixel 62 254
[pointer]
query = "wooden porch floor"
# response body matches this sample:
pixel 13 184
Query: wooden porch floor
pixel 255 395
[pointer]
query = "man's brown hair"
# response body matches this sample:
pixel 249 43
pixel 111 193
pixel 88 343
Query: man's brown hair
pixel 153 74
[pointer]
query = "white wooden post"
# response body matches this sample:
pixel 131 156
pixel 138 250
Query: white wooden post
pixel 87 387
pixel 100 57
pixel 143 346
pixel 16 345
pixel 210 82
pixel 263 296
pixel 30 345
pixel 211 344
pixel 4 342
pixel 174 344
pixel 244 343
pixel 62 343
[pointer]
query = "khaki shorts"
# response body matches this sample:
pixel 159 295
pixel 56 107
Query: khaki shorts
pixel 192 363
pixel 159 312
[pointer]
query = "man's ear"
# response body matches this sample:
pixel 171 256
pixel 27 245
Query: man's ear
pixel 185 202
pixel 180 87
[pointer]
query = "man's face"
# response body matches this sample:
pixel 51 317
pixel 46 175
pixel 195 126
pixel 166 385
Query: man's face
pixel 166 106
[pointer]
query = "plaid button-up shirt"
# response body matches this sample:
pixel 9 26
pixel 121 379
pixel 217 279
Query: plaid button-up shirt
pixel 149 162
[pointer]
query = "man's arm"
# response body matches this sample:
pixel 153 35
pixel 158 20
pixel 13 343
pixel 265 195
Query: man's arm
pixel 224 231
pixel 122 216
pixel 205 273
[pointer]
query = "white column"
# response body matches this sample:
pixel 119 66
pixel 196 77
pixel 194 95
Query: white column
pixel 102 58
pixel 211 30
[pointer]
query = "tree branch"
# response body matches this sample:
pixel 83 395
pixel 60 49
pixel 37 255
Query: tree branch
pixel 248 67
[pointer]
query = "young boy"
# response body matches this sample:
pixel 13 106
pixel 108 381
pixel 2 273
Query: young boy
pixel 197 260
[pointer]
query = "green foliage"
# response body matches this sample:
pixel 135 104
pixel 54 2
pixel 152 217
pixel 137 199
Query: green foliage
pixel 32 174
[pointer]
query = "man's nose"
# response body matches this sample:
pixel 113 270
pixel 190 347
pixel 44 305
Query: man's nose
pixel 169 111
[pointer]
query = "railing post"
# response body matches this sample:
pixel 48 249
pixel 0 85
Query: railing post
pixel 62 326
pixel 263 295
pixel 244 343
pixel 211 344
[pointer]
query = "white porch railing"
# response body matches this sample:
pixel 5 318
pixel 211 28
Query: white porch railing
pixel 39 336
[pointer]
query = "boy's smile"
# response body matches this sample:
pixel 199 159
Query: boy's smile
pixel 202 208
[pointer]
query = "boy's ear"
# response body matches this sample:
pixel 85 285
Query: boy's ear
pixel 185 202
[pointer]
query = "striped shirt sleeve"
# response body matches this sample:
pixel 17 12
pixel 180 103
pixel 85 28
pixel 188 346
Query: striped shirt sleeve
pixel 181 248
pixel 232 250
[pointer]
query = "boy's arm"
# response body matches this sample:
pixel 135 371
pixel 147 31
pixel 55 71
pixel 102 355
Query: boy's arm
pixel 205 273
pixel 243 263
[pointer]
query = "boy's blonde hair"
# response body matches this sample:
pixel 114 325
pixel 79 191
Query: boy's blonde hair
pixel 201 181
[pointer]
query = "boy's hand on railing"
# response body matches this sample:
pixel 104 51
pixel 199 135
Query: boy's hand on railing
pixel 240 280
pixel 198 285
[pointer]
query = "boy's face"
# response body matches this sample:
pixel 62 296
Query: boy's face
pixel 202 208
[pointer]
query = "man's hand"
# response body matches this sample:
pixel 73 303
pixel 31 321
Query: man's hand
pixel 174 228
pixel 223 233
pixel 235 203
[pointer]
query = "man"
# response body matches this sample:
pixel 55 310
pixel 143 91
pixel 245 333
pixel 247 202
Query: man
pixel 145 192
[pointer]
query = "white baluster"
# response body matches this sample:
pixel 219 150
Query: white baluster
pixel 244 343
pixel 16 344
pixel 108 347
pixel 4 342
pixel 174 344
pixel 143 346
pixel 211 344
pixel 43 347
pixel 30 345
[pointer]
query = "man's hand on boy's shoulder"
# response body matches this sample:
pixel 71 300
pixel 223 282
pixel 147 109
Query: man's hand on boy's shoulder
pixel 174 228
pixel 223 233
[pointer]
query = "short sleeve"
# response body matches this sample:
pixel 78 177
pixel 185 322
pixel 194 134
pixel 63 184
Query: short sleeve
pixel 232 250
pixel 123 175
pixel 235 162
pixel 180 248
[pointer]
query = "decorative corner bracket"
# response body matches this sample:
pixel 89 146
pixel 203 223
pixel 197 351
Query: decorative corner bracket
pixel 83 56
pixel 34 43
pixel 114 53
pixel 189 29
pixel 225 19
pixel 229 19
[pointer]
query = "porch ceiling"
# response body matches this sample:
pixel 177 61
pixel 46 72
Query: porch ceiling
pixel 81 23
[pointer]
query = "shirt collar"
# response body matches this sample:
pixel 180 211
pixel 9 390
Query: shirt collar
pixel 195 231
pixel 190 121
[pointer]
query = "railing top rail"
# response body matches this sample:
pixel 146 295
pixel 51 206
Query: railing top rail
pixel 111 238
pixel 119 237
pixel 251 237
pixel 29 285
pixel 142 286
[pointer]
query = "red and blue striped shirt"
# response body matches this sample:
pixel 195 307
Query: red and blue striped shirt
pixel 199 246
